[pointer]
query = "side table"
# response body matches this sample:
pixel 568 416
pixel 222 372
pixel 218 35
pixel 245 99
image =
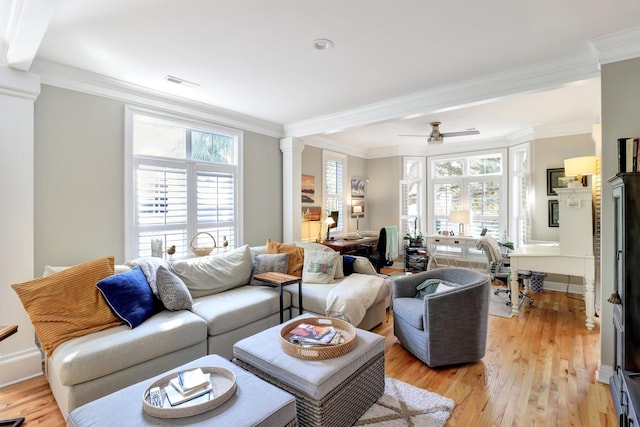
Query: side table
pixel 5 332
pixel 280 280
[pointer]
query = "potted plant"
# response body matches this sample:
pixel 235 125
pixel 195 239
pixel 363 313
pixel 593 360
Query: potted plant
pixel 416 239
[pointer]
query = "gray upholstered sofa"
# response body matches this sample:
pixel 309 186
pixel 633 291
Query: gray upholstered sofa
pixel 88 367
pixel 443 325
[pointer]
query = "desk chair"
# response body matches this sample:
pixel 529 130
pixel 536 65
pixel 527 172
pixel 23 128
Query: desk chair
pixel 379 257
pixel 499 268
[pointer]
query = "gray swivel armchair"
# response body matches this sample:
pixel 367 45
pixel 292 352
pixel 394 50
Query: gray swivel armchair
pixel 443 328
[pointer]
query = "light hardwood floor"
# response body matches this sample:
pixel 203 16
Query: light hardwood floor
pixel 539 370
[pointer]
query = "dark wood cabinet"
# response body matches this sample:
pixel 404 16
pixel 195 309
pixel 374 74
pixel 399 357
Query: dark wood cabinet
pixel 625 382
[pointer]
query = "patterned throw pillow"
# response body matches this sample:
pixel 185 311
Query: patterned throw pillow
pixel 319 266
pixel 172 291
pixel 431 286
pixel 265 263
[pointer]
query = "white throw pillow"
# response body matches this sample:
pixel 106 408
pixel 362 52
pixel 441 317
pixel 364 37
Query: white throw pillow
pixel 443 288
pixel 362 265
pixel 215 273
pixel 319 266
pixel 320 247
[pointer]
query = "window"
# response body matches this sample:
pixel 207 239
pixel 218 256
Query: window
pixel 412 206
pixel 475 182
pixel 183 184
pixel 334 172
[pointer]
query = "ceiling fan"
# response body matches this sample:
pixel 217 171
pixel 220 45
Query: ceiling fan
pixel 437 136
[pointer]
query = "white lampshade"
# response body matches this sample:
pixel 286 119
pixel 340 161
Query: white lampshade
pixel 579 166
pixel 357 209
pixel 330 221
pixel 462 217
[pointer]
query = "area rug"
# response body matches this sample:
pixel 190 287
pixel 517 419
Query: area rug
pixel 404 405
pixel 498 303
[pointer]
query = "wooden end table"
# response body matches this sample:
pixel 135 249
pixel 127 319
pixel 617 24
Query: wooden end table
pixel 5 332
pixel 281 280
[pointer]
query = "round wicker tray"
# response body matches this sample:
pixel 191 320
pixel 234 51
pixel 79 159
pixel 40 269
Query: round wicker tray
pixel 223 381
pixel 319 352
pixel 205 250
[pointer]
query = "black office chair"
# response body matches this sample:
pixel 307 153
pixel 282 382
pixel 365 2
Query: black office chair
pixel 379 257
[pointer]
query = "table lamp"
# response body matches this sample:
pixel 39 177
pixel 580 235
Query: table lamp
pixel 580 166
pixel 462 217
pixel 329 221
pixel 357 212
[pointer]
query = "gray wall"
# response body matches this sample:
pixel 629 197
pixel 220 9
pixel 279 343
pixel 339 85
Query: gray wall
pixel 79 180
pixel 383 191
pixel 620 118
pixel 549 153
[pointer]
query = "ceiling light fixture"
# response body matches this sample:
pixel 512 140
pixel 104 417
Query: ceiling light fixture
pixel 179 81
pixel 322 44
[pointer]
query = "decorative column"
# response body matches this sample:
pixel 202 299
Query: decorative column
pixel 291 188
pixel 19 356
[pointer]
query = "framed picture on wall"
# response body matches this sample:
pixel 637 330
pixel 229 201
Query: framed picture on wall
pixel 554 213
pixel 357 187
pixel 554 181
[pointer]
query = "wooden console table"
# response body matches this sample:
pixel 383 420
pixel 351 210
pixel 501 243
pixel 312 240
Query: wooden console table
pixel 6 331
pixel 349 245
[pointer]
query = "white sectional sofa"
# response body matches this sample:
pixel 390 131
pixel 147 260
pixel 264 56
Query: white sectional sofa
pixel 85 368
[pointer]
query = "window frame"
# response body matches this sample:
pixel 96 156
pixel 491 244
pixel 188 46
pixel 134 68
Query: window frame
pixel 421 194
pixel 192 167
pixel 464 180
pixel 342 220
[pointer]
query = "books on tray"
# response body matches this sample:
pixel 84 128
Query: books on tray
pixel 189 385
pixel 307 334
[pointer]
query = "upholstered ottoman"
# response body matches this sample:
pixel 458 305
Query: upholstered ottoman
pixel 330 392
pixel 255 403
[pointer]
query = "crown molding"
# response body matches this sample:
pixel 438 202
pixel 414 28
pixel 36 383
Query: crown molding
pixel 618 46
pixel 533 78
pixel 331 145
pixel 19 84
pixel 65 77
pixel 563 129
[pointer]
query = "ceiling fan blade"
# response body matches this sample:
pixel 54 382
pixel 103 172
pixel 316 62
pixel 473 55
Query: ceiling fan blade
pixel 461 133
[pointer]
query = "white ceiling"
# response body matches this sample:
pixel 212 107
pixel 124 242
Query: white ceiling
pixel 502 66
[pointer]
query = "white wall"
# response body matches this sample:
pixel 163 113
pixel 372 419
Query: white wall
pixel 19 357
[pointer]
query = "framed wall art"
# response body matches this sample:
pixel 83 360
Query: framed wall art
pixel 554 213
pixel 554 181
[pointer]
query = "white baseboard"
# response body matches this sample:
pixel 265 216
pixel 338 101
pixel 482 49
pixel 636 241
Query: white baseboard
pixel 603 373
pixel 20 366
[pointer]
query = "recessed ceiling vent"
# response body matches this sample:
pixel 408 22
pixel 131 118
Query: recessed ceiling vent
pixel 179 81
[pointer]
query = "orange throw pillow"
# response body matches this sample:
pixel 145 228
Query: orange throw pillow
pixel 296 255
pixel 68 304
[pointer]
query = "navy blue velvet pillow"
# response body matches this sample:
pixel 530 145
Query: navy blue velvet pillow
pixel 129 296
pixel 347 264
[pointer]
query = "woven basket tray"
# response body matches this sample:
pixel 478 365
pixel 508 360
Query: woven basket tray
pixel 319 352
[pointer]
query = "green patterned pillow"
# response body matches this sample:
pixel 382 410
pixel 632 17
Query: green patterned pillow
pixel 429 287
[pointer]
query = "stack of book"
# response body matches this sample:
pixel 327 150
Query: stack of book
pixel 628 159
pixel 307 334
pixel 189 385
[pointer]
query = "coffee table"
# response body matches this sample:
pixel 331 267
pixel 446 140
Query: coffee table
pixel 255 403
pixel 330 392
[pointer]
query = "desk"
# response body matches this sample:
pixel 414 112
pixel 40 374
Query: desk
pixel 345 246
pixel 548 258
pixel 455 248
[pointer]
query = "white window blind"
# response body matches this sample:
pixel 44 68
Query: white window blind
pixel 184 177
pixel 334 172
pixel 475 182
